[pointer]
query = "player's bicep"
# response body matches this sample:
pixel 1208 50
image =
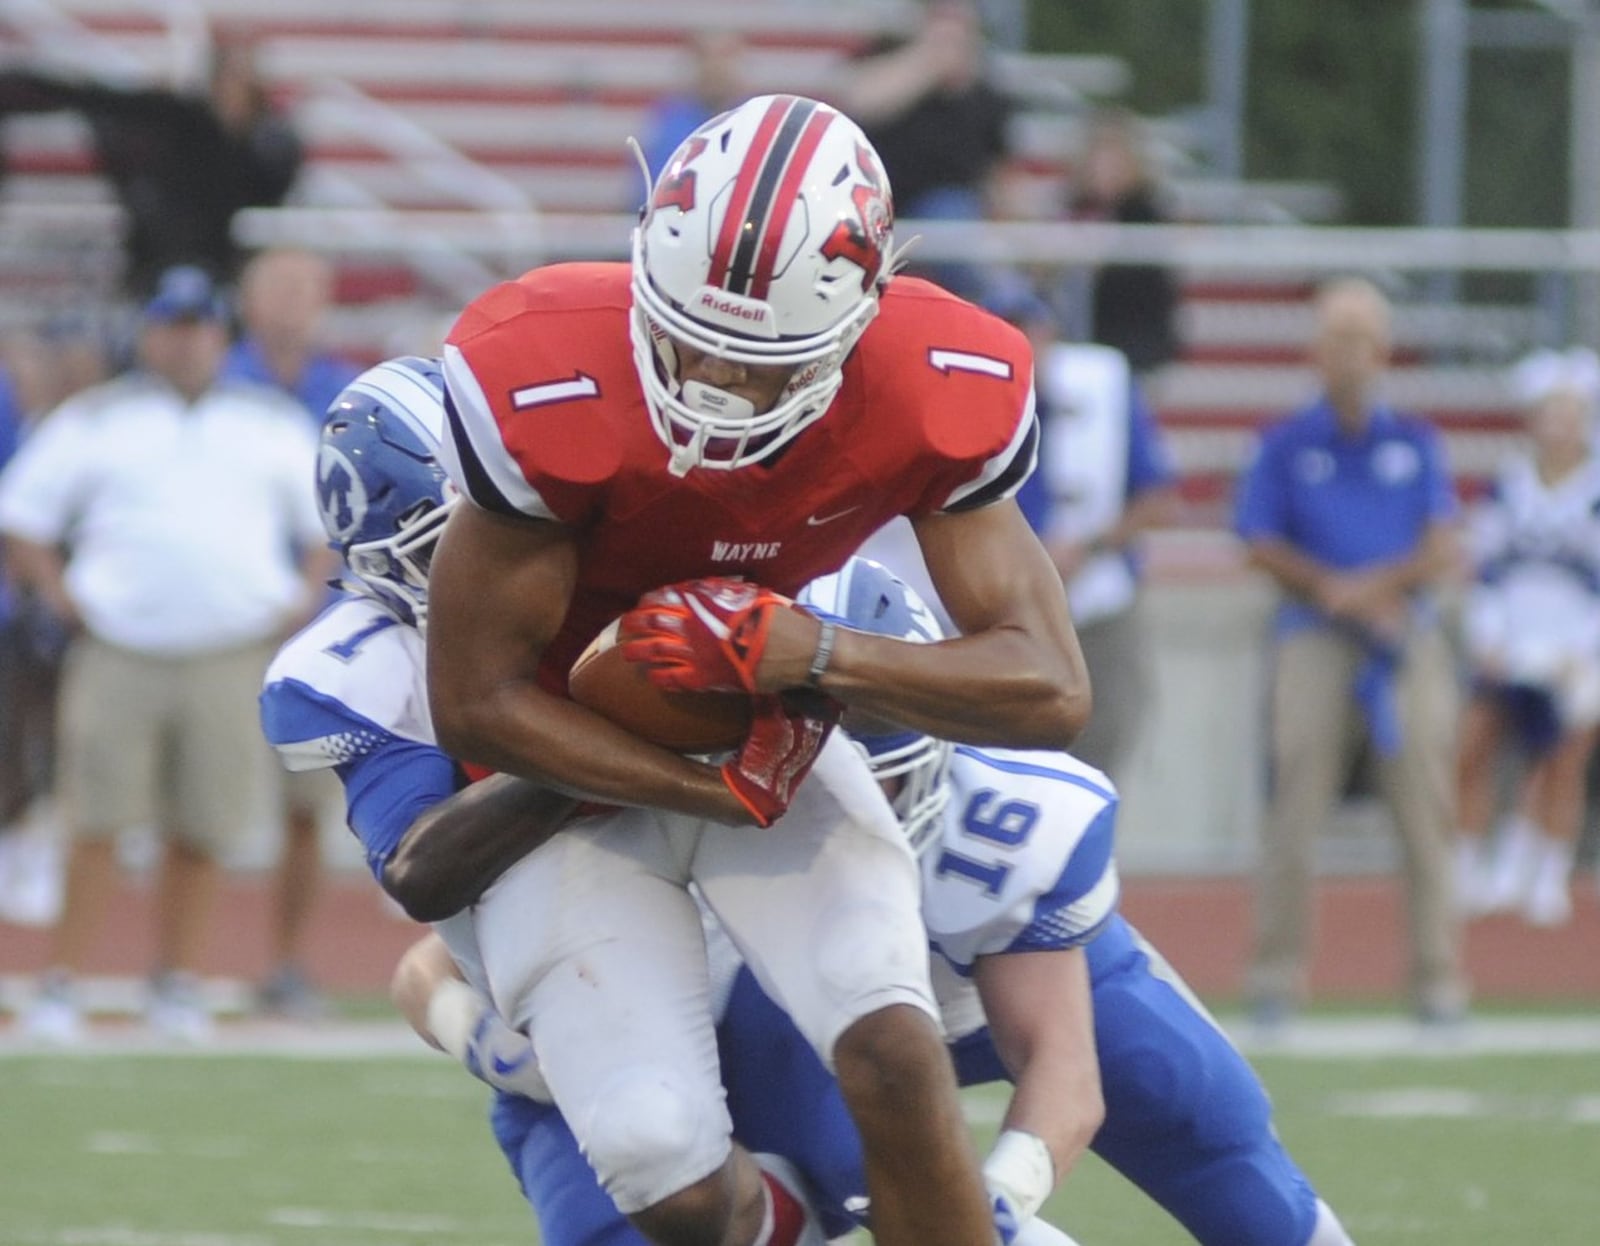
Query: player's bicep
pixel 991 571
pixel 498 590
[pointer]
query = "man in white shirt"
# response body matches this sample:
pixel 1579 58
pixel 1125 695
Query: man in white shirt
pixel 157 515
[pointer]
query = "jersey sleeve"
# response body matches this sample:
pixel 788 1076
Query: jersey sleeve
pixel 346 695
pixel 473 451
pixel 388 780
pixel 1082 898
pixel 1002 475
pixel 959 383
pixel 1262 509
pixel 43 486
pixel 537 373
pixel 1024 862
pixel 314 731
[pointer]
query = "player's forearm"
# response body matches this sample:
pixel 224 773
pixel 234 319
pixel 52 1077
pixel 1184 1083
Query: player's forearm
pixel 519 729
pixel 451 854
pixel 1293 571
pixel 1041 1021
pixel 1436 555
pixel 1002 687
pixel 1058 1099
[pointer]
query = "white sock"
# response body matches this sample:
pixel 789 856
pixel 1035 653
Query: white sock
pixel 1549 899
pixel 1328 1231
pixel 1511 864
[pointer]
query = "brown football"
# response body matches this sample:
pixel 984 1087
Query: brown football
pixel 686 722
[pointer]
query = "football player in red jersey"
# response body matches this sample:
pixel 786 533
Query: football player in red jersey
pixel 730 416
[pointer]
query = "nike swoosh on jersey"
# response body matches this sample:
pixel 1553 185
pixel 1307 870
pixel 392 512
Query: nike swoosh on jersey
pixel 816 521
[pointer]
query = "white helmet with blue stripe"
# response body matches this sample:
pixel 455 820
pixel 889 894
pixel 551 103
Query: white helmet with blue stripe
pixel 867 596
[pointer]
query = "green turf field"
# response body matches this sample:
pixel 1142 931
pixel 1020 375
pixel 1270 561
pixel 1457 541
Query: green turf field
pixel 391 1150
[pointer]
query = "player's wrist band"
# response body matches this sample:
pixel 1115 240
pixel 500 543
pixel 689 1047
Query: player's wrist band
pixel 1020 1167
pixel 819 659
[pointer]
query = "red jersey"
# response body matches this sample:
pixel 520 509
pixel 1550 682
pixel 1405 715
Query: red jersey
pixel 547 419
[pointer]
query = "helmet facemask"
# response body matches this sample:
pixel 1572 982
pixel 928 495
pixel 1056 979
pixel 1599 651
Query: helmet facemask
pixel 920 766
pixel 395 569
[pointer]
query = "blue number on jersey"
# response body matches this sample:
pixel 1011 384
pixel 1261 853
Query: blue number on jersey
pixel 1007 824
pixel 345 649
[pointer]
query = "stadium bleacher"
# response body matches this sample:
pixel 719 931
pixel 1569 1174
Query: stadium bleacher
pixel 526 104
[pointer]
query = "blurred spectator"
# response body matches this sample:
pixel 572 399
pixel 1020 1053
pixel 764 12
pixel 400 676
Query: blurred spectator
pixel 1104 478
pixel 177 498
pixel 182 164
pixel 41 369
pixel 1532 630
pixel 284 297
pixel 717 86
pixel 1132 307
pixel 938 123
pixel 1350 509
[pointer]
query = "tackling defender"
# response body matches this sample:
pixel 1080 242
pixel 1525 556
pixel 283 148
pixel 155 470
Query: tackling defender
pixel 1186 1119
pixel 746 401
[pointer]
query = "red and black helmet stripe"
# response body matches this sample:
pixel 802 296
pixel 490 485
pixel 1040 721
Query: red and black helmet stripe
pixel 764 194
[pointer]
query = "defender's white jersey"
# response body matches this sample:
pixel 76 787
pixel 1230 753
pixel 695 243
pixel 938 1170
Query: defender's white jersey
pixel 1022 861
pixel 349 683
pixel 351 691
pixel 1536 608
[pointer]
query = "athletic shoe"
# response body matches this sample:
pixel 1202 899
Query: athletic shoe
pixel 54 1015
pixel 290 994
pixel 176 1009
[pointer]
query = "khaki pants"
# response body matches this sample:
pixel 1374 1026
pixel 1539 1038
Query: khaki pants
pixel 1117 654
pixel 169 742
pixel 1316 724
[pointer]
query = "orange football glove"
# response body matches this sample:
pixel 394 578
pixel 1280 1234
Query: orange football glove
pixel 701 635
pixel 786 735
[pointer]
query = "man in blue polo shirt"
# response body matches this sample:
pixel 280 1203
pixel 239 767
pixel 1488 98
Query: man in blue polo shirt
pixel 1349 507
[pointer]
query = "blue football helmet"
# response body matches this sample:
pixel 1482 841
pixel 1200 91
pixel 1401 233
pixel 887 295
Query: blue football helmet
pixel 384 497
pixel 867 596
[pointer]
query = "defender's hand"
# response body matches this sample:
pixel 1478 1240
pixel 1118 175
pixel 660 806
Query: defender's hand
pixel 702 635
pixel 782 746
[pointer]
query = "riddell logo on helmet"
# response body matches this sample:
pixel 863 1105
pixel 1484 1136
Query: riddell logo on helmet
pixel 724 306
pixel 748 316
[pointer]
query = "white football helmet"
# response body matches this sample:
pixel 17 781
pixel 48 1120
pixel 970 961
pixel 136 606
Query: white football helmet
pixel 869 597
pixel 766 241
